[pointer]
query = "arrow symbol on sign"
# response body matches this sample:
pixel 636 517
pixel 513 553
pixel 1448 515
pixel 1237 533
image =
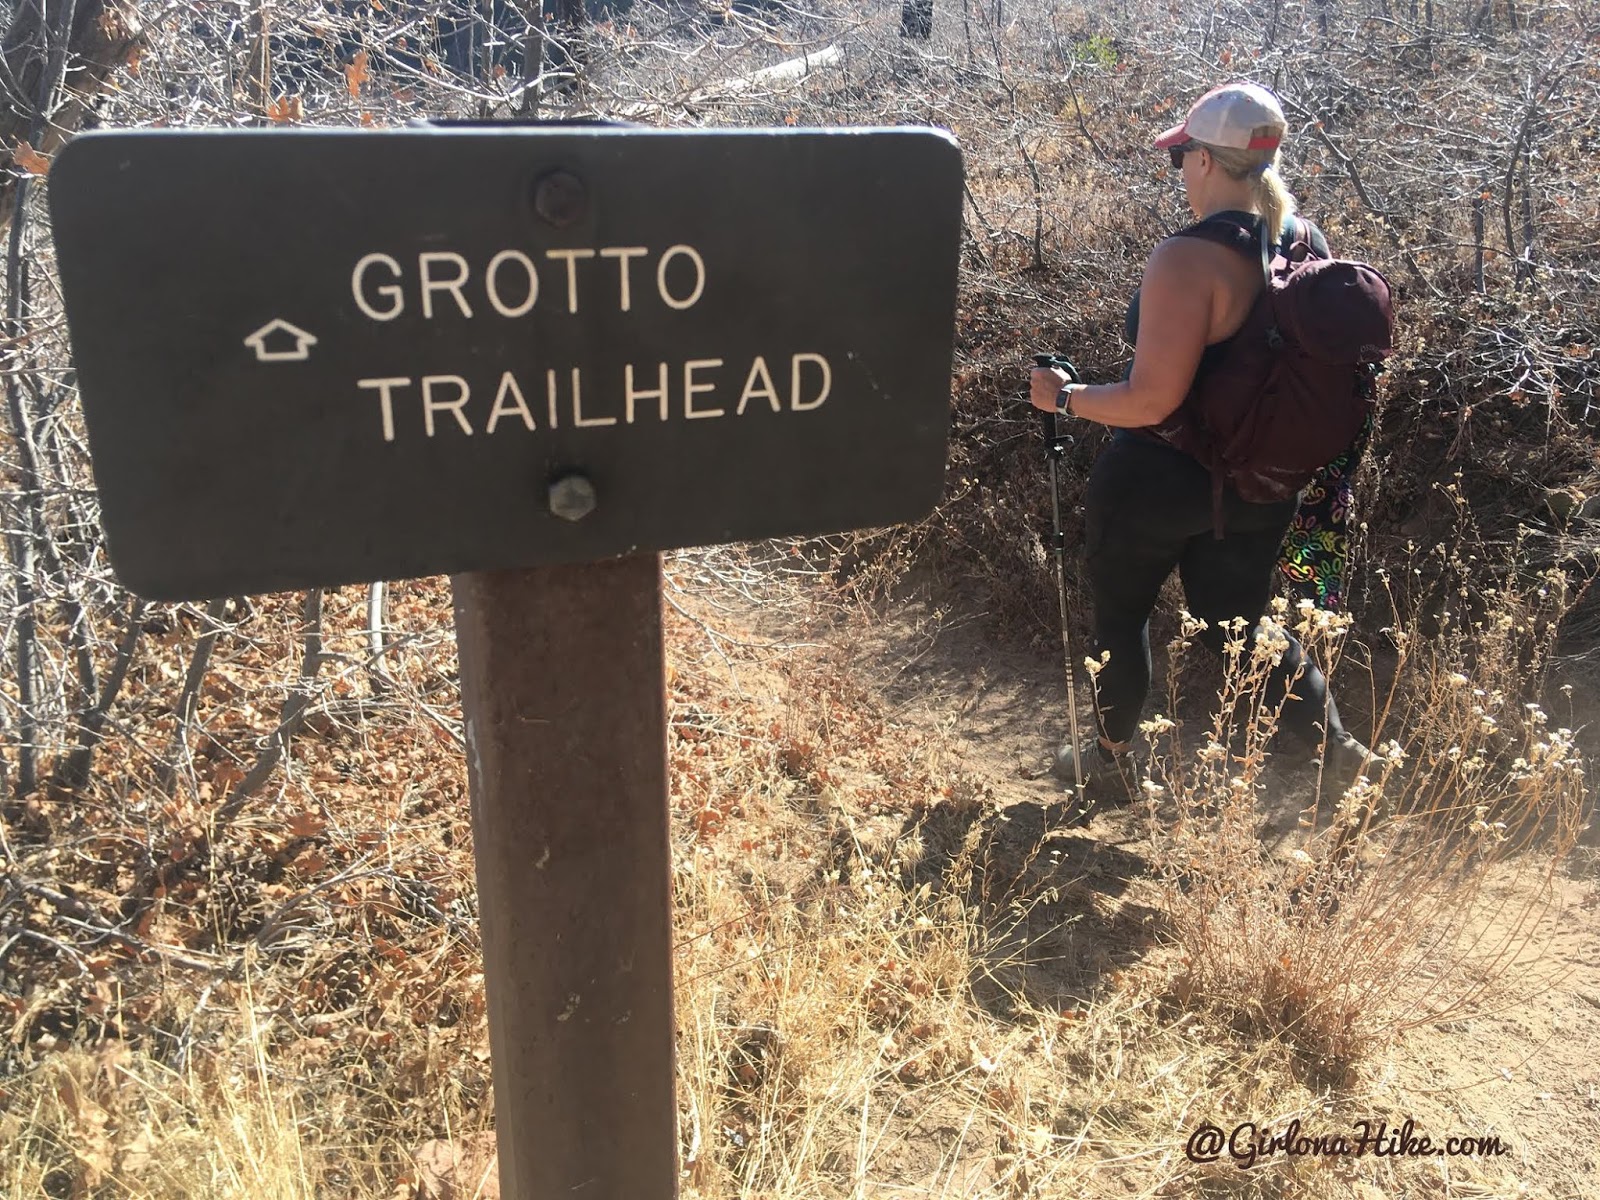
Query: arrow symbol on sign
pixel 284 332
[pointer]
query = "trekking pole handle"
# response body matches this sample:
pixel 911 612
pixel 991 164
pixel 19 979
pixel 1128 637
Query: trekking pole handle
pixel 1047 420
pixel 1055 360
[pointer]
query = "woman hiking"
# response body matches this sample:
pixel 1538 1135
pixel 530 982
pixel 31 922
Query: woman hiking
pixel 1151 507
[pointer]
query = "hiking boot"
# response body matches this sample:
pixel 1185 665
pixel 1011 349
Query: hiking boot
pixel 1109 779
pixel 1345 760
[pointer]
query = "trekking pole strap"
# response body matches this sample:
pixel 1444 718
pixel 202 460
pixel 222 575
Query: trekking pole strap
pixel 1048 424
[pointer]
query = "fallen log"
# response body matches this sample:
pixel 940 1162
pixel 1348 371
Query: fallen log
pixel 774 79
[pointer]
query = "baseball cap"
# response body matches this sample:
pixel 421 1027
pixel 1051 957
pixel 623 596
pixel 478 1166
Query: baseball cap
pixel 1239 116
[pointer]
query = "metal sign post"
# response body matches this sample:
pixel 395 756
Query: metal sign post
pixel 532 359
pixel 567 760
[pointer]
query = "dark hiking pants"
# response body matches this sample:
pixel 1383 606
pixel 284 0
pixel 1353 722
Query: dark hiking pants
pixel 1148 510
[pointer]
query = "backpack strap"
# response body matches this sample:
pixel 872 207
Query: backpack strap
pixel 1228 229
pixel 1298 232
pixel 1247 234
pixel 1285 246
pixel 1225 229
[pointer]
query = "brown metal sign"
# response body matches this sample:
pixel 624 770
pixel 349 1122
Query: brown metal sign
pixel 319 357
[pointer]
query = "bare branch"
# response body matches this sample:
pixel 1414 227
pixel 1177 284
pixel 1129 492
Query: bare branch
pixel 81 916
pixel 199 664
pixel 1372 206
pixel 293 716
pixel 74 63
pixel 377 672
pixel 75 771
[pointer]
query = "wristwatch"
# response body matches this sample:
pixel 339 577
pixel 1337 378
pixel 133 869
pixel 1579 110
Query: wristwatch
pixel 1064 400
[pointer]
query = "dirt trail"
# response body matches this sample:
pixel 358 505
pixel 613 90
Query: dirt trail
pixel 1530 1073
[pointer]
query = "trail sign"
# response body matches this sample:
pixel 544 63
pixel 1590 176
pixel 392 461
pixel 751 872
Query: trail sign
pixel 310 358
pixel 316 357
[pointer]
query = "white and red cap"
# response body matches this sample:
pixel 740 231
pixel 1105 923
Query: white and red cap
pixel 1237 116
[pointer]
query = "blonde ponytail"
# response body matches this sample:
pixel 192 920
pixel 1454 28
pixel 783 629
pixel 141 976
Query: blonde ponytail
pixel 1271 195
pixel 1273 200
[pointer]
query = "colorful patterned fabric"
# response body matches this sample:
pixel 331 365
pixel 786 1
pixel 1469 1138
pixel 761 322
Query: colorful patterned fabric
pixel 1316 550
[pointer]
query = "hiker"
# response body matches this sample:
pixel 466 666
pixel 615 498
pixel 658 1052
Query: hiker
pixel 1151 506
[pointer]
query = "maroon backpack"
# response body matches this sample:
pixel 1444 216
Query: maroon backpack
pixel 1289 392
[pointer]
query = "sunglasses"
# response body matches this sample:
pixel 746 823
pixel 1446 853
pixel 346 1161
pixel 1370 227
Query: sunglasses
pixel 1178 152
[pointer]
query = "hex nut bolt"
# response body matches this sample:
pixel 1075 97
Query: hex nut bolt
pixel 560 198
pixel 572 498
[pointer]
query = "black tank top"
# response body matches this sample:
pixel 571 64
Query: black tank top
pixel 1249 225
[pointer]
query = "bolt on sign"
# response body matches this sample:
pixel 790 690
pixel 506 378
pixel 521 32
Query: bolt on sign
pixel 320 357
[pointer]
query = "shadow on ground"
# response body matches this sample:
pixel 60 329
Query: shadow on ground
pixel 1054 905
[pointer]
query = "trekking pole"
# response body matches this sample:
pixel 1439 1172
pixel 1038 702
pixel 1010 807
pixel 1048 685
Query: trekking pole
pixel 1056 444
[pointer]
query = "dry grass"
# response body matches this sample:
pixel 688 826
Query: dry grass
pixel 1336 956
pixel 885 978
pixel 1456 839
pixel 893 975
pixel 114 1121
